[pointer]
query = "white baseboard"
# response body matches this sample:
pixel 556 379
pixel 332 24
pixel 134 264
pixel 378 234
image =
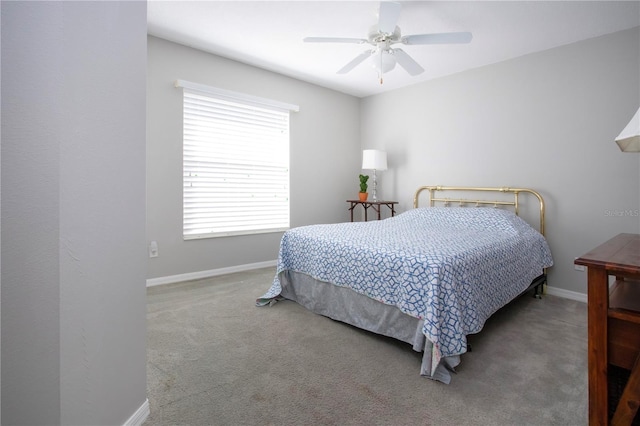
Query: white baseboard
pixel 140 416
pixel 171 279
pixel 573 295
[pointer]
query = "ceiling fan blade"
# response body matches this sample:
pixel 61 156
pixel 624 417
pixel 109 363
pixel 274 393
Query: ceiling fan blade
pixel 334 40
pixel 407 62
pixel 440 38
pixel 388 16
pixel 355 62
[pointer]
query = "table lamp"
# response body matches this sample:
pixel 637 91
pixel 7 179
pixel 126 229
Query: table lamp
pixel 373 159
pixel 629 139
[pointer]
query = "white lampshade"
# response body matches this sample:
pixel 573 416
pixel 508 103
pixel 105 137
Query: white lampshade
pixel 629 139
pixel 373 159
pixel 383 61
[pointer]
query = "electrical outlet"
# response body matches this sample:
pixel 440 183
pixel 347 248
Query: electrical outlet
pixel 153 249
pixel 578 267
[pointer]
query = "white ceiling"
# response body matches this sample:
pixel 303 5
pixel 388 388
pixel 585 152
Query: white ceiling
pixel 268 34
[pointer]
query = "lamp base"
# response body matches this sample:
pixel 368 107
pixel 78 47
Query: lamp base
pixel 374 195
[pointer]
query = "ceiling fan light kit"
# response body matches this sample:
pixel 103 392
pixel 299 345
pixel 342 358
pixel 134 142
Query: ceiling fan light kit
pixel 383 61
pixel 385 34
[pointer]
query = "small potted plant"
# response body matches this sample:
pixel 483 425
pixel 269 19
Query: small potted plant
pixel 363 187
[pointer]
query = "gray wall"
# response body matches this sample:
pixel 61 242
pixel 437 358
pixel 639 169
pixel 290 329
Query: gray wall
pixel 73 212
pixel 325 156
pixel 545 121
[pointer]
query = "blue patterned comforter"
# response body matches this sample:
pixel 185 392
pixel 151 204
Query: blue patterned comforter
pixel 450 267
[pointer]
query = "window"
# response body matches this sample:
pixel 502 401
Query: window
pixel 235 163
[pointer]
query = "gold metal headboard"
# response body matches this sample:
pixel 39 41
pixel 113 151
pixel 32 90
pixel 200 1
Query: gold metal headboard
pixel 463 201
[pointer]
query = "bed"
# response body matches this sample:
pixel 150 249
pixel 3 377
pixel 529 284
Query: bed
pixel 429 276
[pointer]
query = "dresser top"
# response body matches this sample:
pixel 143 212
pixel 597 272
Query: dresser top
pixel 619 254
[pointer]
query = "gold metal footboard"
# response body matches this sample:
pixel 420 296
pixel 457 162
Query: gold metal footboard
pixel 433 198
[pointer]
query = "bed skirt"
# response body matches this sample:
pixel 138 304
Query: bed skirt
pixel 345 305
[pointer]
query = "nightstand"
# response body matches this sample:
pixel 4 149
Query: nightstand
pixel 375 205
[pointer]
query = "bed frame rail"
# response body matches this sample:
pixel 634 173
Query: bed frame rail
pixel 433 198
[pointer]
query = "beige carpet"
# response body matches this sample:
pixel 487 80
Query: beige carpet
pixel 216 359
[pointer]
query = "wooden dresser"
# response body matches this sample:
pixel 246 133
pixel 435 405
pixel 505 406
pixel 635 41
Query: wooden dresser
pixel 613 325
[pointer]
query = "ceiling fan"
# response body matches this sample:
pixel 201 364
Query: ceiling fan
pixel 385 34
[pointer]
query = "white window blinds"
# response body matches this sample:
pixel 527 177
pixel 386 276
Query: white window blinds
pixel 235 163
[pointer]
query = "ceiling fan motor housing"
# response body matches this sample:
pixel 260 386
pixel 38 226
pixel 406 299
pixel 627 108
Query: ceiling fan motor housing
pixel 376 37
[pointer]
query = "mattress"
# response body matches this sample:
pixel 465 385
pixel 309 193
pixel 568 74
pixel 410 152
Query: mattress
pixel 448 268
